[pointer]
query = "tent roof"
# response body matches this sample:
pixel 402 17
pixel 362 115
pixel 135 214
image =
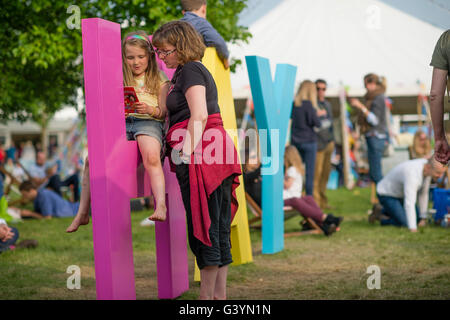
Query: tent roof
pixel 341 41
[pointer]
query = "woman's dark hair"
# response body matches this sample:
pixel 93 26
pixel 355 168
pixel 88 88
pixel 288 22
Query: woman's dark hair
pixel 373 78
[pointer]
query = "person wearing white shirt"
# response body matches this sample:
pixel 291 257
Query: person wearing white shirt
pixel 402 188
pixel 292 193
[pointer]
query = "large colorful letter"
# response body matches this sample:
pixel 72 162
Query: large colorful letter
pixel 117 175
pixel 273 105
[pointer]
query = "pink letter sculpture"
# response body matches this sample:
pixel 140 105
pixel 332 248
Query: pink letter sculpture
pixel 117 175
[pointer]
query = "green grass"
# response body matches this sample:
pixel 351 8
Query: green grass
pixel 413 266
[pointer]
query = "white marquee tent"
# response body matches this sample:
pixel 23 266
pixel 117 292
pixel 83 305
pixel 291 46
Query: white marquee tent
pixel 342 40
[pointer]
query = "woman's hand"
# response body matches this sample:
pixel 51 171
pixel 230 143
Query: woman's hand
pixel 321 112
pixel 5 233
pixel 356 103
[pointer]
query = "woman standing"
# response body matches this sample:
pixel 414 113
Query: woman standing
pixel 207 179
pixel 373 122
pixel 305 117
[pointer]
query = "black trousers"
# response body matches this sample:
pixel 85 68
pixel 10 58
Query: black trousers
pixel 219 205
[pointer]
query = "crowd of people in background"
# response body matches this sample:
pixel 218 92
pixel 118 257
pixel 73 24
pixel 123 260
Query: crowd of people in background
pixel 312 153
pixel 312 135
pixel 401 199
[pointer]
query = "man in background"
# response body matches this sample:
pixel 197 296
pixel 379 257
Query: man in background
pixel 401 190
pixel 47 203
pixel 325 146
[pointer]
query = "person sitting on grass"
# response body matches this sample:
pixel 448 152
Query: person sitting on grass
pixel 292 193
pixel 401 189
pixel 47 203
pixel 54 181
pixel 9 237
pixel 44 173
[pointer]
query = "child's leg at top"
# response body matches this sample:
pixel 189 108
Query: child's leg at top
pixel 82 217
pixel 150 150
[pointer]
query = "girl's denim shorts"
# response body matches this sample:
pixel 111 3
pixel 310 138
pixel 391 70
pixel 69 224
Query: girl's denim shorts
pixel 148 127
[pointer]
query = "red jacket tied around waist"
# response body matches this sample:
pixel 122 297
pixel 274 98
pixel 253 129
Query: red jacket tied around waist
pixel 214 159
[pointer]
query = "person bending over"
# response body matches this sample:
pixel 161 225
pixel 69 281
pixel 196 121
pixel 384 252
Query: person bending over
pixel 404 187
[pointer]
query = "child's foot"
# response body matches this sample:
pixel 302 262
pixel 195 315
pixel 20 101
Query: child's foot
pixel 80 219
pixel 159 214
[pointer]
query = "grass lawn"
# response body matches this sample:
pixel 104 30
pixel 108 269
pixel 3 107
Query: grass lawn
pixel 413 266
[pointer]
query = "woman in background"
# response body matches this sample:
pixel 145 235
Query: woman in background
pixel 372 120
pixel 305 117
pixel 421 147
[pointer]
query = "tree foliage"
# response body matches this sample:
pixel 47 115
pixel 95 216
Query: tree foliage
pixel 41 57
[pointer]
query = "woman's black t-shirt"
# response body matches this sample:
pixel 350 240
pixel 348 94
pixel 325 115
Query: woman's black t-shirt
pixel 191 74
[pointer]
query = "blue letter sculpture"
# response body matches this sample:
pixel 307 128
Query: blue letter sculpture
pixel 273 106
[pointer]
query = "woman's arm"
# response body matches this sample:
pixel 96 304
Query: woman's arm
pixel 437 93
pixel 162 100
pixel 314 120
pixel 288 181
pixel 196 99
pixel 30 214
pixel 370 116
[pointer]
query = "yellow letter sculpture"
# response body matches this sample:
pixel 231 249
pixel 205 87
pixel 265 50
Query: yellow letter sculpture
pixel 240 236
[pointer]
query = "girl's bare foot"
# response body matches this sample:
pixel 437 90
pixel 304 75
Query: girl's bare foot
pixel 80 219
pixel 159 214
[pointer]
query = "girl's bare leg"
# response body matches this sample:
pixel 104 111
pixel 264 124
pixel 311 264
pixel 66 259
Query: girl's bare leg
pixel 82 217
pixel 150 150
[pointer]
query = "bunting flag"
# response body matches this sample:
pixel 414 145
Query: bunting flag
pixel 70 155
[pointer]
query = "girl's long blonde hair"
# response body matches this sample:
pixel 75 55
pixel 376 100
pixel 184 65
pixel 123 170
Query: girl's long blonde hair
pixel 152 79
pixel 306 91
pixel 292 159
pixel 421 150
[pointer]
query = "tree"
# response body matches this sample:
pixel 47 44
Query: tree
pixel 41 57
